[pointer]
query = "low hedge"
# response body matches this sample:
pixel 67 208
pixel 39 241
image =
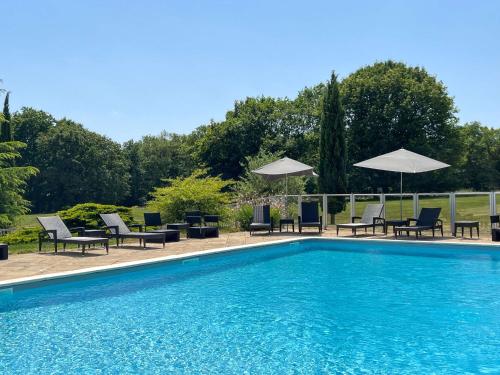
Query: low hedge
pixel 87 214
pixel 20 236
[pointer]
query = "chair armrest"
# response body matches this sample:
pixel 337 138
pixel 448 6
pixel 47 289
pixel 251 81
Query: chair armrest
pixel 354 218
pixel 78 230
pixel 47 232
pixel 136 226
pixel 115 227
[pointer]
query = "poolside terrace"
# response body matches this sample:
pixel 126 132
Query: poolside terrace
pixel 34 264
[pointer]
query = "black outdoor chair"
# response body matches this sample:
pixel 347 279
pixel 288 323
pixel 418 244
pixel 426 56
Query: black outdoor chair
pixel 198 227
pixel 371 218
pixel 495 228
pixel 427 220
pixel 54 230
pixel 262 219
pixel 310 217
pixel 153 219
pixel 119 230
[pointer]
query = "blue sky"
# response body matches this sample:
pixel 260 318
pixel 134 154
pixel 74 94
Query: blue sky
pixel 126 69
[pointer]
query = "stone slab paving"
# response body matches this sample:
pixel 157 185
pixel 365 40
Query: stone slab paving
pixel 32 264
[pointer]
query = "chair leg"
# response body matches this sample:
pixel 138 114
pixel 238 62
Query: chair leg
pixel 107 248
pixel 337 230
pixel 117 242
pixel 477 231
pixel 442 234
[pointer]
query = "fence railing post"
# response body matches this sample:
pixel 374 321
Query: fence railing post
pixel 382 201
pixel 453 212
pixel 415 205
pixel 325 211
pixel 352 199
pixel 299 202
pixel 493 203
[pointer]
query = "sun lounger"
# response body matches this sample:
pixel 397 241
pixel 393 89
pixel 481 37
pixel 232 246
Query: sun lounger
pixel 262 219
pixel 119 230
pixel 310 217
pixel 153 219
pixel 371 218
pixel 56 231
pixel 428 219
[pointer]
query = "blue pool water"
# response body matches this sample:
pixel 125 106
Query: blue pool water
pixel 304 308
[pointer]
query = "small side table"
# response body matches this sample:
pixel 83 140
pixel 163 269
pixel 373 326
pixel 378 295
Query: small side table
pixel 287 222
pixel 4 251
pixel 466 224
pixel 495 234
pixel 394 223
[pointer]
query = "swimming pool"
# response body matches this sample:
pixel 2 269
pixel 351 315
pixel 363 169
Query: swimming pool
pixel 312 306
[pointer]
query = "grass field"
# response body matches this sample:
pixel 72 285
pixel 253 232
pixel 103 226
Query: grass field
pixel 472 207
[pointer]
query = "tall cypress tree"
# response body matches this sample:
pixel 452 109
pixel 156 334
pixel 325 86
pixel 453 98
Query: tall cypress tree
pixel 5 129
pixel 332 147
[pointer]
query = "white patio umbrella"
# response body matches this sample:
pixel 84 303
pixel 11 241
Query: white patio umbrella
pixel 283 168
pixel 402 161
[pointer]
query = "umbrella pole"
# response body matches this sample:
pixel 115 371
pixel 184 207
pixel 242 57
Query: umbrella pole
pixel 401 196
pixel 286 195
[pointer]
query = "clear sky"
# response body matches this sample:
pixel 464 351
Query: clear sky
pixel 129 68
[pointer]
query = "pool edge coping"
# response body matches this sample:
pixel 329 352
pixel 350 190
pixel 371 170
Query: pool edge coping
pixel 9 283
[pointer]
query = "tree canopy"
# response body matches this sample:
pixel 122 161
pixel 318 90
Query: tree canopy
pixel 386 105
pixel 78 166
pixel 390 105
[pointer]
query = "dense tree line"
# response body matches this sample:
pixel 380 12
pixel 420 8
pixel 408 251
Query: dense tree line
pixel 386 106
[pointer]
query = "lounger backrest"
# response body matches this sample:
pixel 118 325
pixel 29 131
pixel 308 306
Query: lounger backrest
pixel 114 220
pixel 262 214
pixel 152 219
pixel 310 212
pixel 54 223
pixel 371 211
pixel 428 217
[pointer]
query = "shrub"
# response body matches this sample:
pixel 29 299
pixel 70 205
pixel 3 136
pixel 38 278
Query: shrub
pixel 20 236
pixel 196 192
pixel 244 216
pixel 87 214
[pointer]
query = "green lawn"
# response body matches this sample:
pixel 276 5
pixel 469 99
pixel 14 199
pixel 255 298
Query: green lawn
pixel 468 208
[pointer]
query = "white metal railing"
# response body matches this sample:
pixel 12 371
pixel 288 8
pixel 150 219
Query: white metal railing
pixel 415 198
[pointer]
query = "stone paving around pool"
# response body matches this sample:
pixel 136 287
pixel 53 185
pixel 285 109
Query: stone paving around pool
pixel 32 264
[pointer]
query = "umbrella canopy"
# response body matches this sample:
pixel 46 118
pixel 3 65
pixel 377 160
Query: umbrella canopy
pixel 403 161
pixel 283 168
